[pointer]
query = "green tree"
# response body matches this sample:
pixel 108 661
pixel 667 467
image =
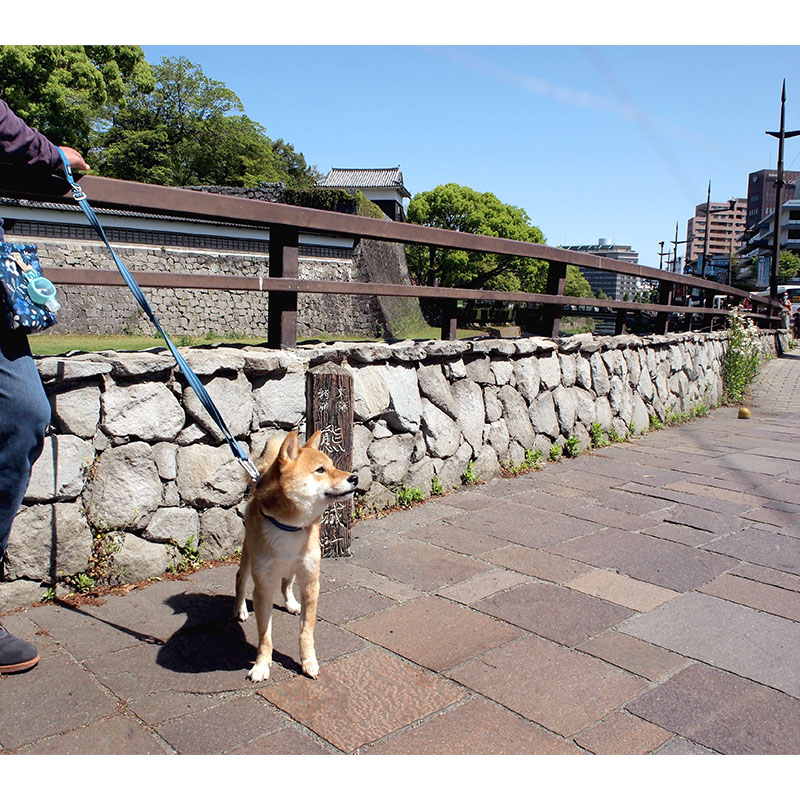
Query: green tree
pixel 68 92
pixel 460 208
pixel 189 129
pixel 788 265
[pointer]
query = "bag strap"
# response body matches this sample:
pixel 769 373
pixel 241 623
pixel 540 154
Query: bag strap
pixel 191 377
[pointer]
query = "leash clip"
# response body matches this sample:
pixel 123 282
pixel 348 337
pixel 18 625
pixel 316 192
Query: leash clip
pixel 250 468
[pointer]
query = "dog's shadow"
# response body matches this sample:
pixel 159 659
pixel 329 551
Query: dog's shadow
pixel 211 640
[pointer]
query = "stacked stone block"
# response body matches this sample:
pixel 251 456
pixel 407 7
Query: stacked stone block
pixel 134 474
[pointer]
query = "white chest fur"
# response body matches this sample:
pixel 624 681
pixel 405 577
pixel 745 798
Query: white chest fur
pixel 285 545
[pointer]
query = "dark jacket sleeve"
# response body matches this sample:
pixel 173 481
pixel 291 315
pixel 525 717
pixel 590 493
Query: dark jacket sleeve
pixel 22 145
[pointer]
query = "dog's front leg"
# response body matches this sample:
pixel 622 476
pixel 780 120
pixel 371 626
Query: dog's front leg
pixel 263 593
pixel 308 578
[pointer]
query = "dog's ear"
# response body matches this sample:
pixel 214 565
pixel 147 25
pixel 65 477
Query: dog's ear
pixel 314 440
pixel 289 449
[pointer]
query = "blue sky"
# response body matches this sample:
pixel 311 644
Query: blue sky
pixel 617 142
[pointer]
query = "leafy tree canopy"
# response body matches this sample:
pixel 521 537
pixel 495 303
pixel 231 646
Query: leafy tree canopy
pixel 167 124
pixel 69 91
pixel 187 131
pixel 461 208
pixel 788 265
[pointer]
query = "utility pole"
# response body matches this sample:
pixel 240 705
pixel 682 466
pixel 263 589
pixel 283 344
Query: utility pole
pixel 776 245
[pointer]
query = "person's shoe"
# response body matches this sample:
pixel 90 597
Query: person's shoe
pixel 16 655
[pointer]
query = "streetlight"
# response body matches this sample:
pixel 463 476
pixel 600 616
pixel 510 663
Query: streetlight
pixel 675 244
pixel 776 245
pixel 661 254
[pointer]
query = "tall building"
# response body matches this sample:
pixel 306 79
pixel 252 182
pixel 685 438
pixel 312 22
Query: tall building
pixel 762 238
pixel 761 194
pixel 726 227
pixel 611 283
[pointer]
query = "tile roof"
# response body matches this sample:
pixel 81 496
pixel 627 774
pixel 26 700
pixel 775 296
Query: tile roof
pixel 387 177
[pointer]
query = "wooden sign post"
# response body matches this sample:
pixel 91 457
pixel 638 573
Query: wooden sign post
pixel 329 409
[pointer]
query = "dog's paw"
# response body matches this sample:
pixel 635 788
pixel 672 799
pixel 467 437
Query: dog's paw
pixel 258 673
pixel 311 668
pixel 292 606
pixel 241 614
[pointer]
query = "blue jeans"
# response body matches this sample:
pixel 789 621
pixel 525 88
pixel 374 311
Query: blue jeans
pixel 24 416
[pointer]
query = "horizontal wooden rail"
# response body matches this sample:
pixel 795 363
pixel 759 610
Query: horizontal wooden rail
pixel 285 222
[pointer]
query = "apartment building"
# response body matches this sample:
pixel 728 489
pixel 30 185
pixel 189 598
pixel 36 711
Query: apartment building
pixel 726 228
pixel 614 285
pixel 761 189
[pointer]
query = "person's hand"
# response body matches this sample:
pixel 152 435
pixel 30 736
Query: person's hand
pixel 75 159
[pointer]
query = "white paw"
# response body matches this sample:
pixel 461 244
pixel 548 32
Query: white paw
pixel 241 613
pixel 292 606
pixel 258 673
pixel 311 668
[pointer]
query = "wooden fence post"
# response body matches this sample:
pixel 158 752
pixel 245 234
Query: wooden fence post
pixel 665 289
pixel 551 315
pixel 283 263
pixel 329 409
pixel 449 319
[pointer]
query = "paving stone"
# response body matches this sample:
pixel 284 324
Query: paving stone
pixel 621 590
pixel 633 655
pixel 418 564
pixel 678 746
pixel 772 577
pixel 554 612
pixel 219 729
pixel 117 735
pixel 453 537
pixel 693 517
pixel 611 518
pixel 434 632
pixel 646 558
pixel 483 585
pixel 741 640
pixel 723 712
pixel 289 741
pixel 763 597
pixel 761 547
pixel 47 701
pixel 773 516
pixel 717 492
pixel 351 602
pixel 362 698
pixel 477 727
pixel 765 465
pixel 466 499
pixel 537 563
pixel 163 706
pixel 631 503
pixel 681 534
pixel 562 690
pixel 622 734
pixel 514 522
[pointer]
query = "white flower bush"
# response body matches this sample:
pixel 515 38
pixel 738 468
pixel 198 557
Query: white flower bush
pixel 743 356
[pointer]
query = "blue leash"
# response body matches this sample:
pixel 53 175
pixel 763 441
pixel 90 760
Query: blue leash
pixel 193 380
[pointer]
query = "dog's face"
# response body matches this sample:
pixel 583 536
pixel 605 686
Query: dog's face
pixel 302 481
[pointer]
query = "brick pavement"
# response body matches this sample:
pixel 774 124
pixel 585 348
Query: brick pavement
pixel 642 598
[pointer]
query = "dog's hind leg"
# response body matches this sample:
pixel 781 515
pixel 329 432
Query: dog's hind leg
pixel 240 606
pixel 289 601
pixel 262 603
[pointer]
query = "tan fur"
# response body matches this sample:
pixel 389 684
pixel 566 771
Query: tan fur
pixel 295 486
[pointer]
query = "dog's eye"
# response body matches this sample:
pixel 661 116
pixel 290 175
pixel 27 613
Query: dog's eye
pixel 320 470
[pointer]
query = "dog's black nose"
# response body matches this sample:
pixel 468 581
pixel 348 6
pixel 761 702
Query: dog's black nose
pixel 353 479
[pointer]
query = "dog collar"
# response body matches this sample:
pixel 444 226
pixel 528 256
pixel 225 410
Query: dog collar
pixel 280 525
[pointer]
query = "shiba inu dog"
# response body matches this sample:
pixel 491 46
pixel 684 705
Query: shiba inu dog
pixel 281 540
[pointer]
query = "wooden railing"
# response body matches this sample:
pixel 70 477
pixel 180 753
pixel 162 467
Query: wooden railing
pixel 283 285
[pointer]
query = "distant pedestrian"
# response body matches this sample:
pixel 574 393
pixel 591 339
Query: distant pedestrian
pixel 796 324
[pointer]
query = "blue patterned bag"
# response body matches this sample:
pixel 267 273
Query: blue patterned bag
pixel 27 299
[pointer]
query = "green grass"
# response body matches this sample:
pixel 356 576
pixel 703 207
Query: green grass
pixel 53 344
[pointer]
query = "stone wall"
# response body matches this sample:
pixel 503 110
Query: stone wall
pixel 134 476
pixel 195 312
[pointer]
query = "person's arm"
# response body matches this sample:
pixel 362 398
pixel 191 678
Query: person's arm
pixel 25 146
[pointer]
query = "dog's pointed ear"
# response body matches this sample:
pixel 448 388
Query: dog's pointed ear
pixel 289 449
pixel 314 440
